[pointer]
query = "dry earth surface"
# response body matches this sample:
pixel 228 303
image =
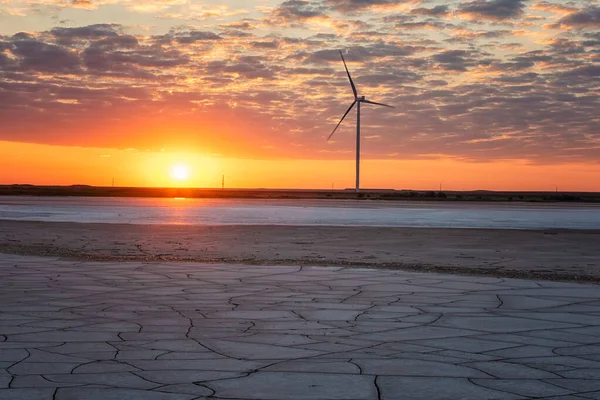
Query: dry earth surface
pixel 551 254
pixel 180 331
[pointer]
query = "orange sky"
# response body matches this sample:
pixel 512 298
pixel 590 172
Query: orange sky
pixel 66 165
pixel 488 94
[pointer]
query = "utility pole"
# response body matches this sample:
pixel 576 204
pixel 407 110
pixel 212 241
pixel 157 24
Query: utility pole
pixel 223 182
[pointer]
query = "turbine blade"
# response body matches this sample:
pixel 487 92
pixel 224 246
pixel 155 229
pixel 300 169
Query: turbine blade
pixel 349 77
pixel 344 116
pixel 377 104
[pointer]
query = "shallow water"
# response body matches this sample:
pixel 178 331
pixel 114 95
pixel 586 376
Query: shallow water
pixel 300 212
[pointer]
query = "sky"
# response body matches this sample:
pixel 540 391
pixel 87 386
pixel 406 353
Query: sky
pixel 488 94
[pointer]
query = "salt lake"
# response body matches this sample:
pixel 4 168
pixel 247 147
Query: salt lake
pixel 301 212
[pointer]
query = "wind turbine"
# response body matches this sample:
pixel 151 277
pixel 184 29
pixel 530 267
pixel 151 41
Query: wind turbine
pixel 357 101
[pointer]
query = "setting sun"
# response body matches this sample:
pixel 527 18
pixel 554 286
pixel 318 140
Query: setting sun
pixel 180 172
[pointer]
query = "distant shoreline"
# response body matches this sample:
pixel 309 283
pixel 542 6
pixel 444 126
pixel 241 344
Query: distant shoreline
pixel 543 254
pixel 365 194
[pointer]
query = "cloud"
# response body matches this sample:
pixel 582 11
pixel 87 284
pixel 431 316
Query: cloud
pixel 116 42
pixel 130 62
pixel 235 33
pixel 585 72
pixel 5 62
pixel 98 50
pixel 43 57
pixel 248 67
pixel 473 91
pixel 242 25
pixel 421 25
pixel 494 10
pixel 587 18
pixel 553 7
pixel 23 36
pixel 265 45
pixel 437 11
pixel 90 32
pixel 358 53
pixel 299 10
pixel 453 60
pixel 396 78
pixel 467 35
pixel 195 36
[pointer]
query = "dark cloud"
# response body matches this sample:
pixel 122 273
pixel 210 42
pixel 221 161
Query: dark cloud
pixel 591 43
pixel 195 36
pixel 246 67
pixel 527 77
pixel 526 60
pixel 4 60
pixel 437 82
pixel 397 18
pixel 396 78
pixel 299 10
pixel 467 36
pixel 497 10
pixel 89 31
pixel 592 35
pixel 265 45
pixel 310 71
pixel 324 37
pixel 567 47
pixel 453 60
pixel 437 11
pixel 358 53
pixel 235 33
pixel 44 57
pixel 101 60
pixel 422 25
pixel 68 36
pixel 587 18
pixel 117 42
pixel 588 71
pixel 22 36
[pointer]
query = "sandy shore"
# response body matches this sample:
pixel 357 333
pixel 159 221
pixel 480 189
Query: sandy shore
pixel 562 255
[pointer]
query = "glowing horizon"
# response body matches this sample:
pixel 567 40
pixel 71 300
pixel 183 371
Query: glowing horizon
pixel 131 168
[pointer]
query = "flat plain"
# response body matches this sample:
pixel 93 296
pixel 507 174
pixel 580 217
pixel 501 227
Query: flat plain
pixel 545 254
pixel 73 329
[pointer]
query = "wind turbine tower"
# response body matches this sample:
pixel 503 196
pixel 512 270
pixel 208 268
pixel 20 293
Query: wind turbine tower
pixel 357 101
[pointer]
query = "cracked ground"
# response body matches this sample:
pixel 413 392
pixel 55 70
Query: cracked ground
pixel 135 330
